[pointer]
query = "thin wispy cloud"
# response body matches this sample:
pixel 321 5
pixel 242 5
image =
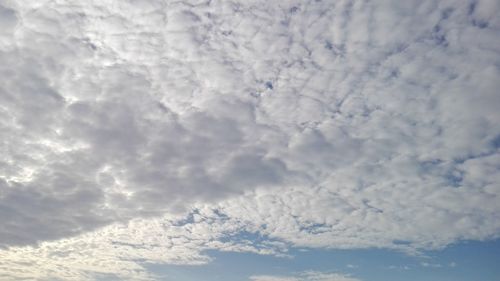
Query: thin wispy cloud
pixel 305 276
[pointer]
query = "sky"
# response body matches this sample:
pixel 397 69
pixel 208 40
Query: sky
pixel 205 140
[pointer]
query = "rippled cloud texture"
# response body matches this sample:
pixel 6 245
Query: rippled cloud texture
pixel 151 131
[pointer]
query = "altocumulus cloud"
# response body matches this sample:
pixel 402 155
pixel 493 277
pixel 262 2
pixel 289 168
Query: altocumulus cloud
pixel 150 131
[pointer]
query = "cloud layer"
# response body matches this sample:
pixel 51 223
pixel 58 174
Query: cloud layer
pixel 332 124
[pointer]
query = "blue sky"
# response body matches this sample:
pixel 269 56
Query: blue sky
pixel 252 140
pixel 468 260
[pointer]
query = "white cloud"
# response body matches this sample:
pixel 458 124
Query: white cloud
pixel 312 124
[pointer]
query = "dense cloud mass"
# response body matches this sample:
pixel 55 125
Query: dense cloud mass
pixel 152 131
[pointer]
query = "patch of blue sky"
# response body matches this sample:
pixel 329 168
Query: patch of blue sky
pixel 469 260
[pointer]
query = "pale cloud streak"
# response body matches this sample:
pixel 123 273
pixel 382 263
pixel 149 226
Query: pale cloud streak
pixel 305 276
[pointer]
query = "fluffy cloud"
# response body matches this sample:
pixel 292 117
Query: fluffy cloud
pixel 338 124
